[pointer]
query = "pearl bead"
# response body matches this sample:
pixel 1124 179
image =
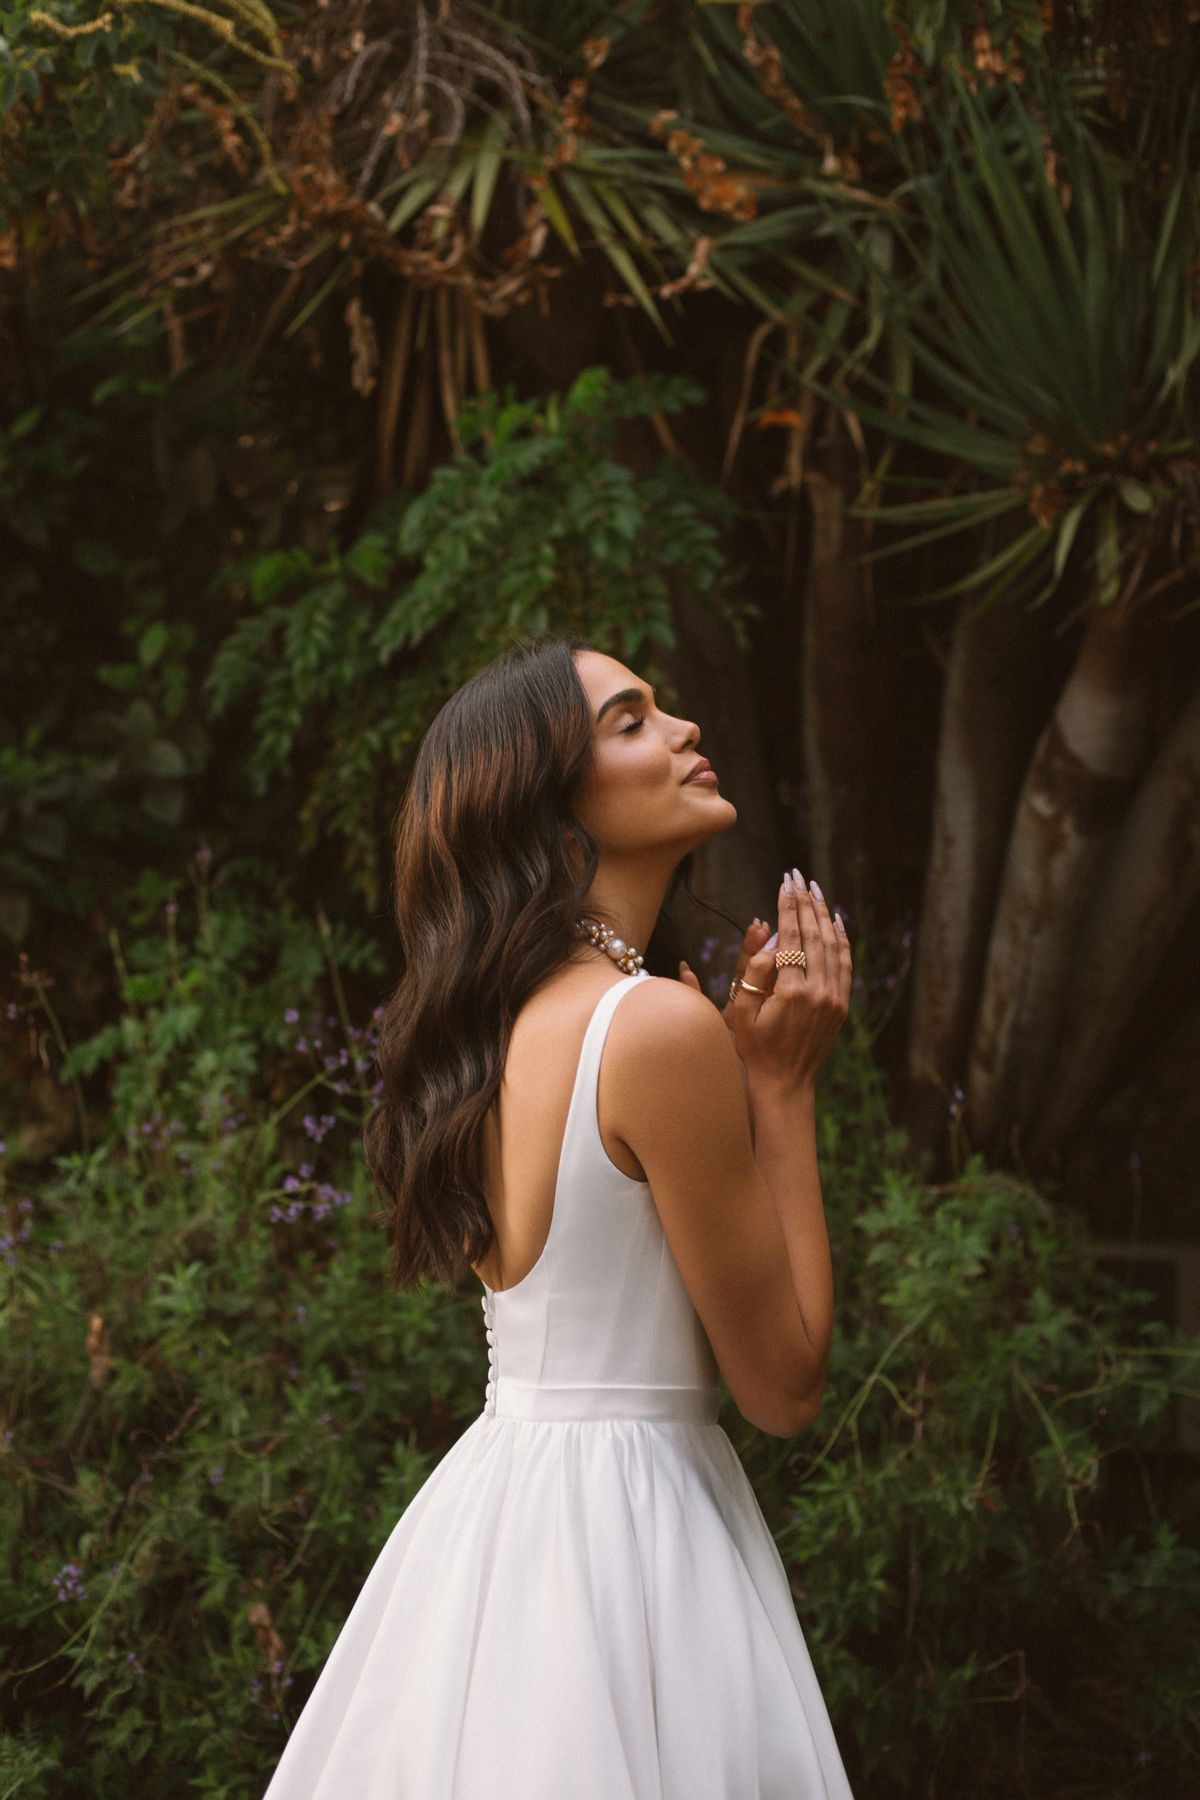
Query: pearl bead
pixel 605 938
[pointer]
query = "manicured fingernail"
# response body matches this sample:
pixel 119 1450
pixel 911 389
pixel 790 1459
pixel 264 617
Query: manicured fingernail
pixel 839 923
pixel 787 882
pixel 771 941
pixel 813 888
pixel 798 878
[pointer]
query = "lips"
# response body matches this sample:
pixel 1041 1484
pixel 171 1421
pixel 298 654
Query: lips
pixel 703 767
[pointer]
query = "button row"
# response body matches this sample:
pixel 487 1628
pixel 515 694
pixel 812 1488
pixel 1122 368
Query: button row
pixel 489 1398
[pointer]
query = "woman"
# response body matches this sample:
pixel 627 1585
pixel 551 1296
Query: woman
pixel 584 1602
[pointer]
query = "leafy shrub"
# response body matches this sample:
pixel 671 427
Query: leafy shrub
pixel 215 1411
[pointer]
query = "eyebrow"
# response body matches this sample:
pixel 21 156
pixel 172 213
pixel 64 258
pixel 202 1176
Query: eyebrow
pixel 626 695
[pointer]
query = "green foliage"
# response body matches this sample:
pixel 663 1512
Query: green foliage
pixel 215 1412
pixel 532 524
pixel 1042 298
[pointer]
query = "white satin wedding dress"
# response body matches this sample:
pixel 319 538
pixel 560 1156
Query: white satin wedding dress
pixel 583 1602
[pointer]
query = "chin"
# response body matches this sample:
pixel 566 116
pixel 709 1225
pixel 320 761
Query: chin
pixel 724 817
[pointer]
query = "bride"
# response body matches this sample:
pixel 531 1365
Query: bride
pixel 583 1601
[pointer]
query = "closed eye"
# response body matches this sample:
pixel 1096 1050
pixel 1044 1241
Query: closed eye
pixel 632 727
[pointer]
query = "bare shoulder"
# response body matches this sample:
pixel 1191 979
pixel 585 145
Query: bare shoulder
pixel 663 1016
pixel 670 1041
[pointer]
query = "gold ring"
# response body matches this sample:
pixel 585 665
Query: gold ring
pixel 754 990
pixel 790 959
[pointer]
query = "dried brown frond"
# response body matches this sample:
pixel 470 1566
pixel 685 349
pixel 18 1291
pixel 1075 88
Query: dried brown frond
pixel 767 64
pixel 707 176
pixel 898 84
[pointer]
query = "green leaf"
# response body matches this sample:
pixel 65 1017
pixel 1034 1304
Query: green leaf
pixel 1136 495
pixel 371 559
pixel 274 573
pixel 25 422
pixel 559 218
pixel 1068 526
pixel 152 643
pixel 1108 554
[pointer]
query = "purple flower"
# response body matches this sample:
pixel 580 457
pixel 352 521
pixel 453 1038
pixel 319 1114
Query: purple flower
pixel 216 1476
pixel 336 1196
pixel 316 1127
pixel 131 1657
pixel 1014 1231
pixel 291 1016
pixel 302 1313
pixel 172 908
pixel 68 1583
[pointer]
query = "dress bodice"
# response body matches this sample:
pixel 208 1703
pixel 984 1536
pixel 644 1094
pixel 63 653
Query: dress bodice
pixel 602 1325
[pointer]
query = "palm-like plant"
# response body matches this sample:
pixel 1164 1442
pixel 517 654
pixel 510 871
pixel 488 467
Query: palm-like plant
pixel 1054 326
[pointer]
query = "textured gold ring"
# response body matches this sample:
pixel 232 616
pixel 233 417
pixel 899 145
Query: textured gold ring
pixel 790 959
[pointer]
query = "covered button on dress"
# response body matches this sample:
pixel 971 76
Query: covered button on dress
pixel 583 1601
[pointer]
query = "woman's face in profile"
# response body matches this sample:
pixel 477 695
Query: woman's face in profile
pixel 637 796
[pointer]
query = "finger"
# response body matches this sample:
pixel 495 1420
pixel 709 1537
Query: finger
pixel 752 942
pixel 845 960
pixel 825 926
pixel 810 933
pixel 790 978
pixel 758 967
pixel 689 978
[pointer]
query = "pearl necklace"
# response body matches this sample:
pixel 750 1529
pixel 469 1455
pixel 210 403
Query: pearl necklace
pixel 606 939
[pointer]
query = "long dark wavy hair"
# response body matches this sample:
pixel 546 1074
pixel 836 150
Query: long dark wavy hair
pixel 486 895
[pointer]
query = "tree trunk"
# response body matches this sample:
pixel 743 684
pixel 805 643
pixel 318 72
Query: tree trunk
pixel 1075 792
pixel 987 726
pixel 1151 881
pixel 836 689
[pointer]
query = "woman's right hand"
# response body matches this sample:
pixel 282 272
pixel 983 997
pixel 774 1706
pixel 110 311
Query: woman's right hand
pixel 784 1036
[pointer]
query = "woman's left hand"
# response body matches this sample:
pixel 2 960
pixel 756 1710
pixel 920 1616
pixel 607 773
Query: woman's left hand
pixel 755 936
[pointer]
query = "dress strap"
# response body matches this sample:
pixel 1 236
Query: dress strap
pixel 581 1136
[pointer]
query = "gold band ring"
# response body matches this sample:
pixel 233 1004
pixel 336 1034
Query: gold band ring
pixel 754 990
pixel 790 959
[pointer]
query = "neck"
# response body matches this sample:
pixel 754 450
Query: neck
pixel 629 898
